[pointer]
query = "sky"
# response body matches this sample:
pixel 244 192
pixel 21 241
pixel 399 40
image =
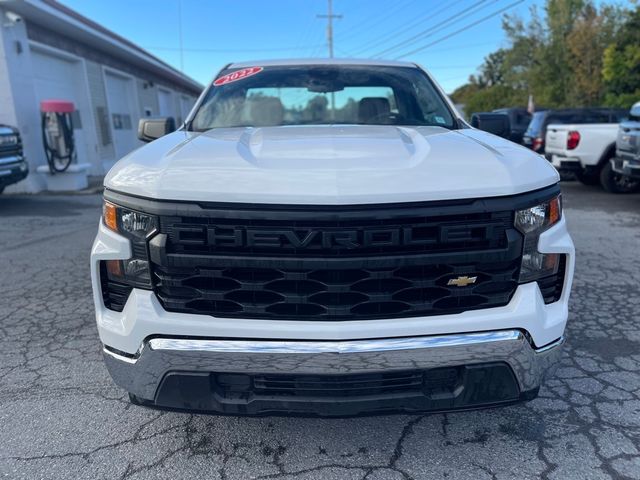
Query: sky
pixel 449 38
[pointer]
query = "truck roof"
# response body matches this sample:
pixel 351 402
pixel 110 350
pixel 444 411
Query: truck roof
pixel 321 61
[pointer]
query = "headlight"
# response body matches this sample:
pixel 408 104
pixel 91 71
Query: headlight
pixel 137 227
pixel 8 140
pixel 539 218
pixel 128 222
pixel 532 222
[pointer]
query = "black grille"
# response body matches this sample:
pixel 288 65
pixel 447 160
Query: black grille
pixel 14 149
pixel 114 294
pixel 441 380
pixel 440 389
pixel 337 264
pixel 336 294
pixel 551 287
pixel 414 231
pixel 10 151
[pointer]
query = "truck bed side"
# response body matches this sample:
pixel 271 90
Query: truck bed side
pixel 596 139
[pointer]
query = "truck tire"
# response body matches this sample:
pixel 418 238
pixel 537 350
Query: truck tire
pixel 613 182
pixel 591 178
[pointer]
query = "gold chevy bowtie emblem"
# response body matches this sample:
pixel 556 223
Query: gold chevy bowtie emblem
pixel 462 281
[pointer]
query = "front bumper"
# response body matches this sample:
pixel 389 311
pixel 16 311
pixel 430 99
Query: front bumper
pixel 628 168
pixel 12 170
pixel 489 368
pixel 565 164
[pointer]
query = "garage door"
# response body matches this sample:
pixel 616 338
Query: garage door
pixel 165 103
pixel 59 78
pixel 185 107
pixel 122 111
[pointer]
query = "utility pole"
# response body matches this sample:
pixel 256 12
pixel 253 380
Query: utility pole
pixel 330 16
pixel 180 35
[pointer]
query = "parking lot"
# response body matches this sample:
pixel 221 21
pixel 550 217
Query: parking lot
pixel 62 417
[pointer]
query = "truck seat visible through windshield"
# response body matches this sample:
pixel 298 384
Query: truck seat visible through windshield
pixel 266 111
pixel 373 110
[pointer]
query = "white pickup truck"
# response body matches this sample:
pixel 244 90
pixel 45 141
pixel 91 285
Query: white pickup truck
pixel 585 150
pixel 329 237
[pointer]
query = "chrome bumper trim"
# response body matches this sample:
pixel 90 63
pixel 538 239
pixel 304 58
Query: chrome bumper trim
pixel 6 161
pixel 313 347
pixel 142 373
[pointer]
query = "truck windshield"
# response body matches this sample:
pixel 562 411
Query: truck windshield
pixel 321 95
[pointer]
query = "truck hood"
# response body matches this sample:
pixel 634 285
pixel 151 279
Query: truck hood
pixel 329 165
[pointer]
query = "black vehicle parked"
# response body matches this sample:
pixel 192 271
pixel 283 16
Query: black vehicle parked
pixel 536 131
pixel 519 120
pixel 13 166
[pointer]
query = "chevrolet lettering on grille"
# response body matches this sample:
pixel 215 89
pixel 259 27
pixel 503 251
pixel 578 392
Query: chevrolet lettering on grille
pixel 317 238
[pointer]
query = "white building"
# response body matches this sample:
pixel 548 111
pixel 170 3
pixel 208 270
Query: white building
pixel 48 51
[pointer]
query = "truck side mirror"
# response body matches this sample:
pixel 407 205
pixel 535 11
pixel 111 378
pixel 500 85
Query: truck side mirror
pixel 496 123
pixel 150 129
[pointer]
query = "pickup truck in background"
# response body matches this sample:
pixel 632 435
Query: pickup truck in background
pixel 534 136
pixel 586 150
pixel 13 166
pixel 627 159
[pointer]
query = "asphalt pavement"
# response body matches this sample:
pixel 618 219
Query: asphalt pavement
pixel 61 417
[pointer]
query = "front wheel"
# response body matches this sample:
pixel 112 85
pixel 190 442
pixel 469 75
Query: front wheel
pixel 613 182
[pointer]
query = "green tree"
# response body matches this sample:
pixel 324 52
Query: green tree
pixel 464 93
pixel 523 59
pixel 492 70
pixel 496 96
pixel 621 63
pixel 570 54
pixel 590 35
pixel 561 16
pixel 488 90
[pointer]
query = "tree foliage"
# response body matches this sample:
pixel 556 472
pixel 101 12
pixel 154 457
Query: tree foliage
pixel 621 63
pixel 572 54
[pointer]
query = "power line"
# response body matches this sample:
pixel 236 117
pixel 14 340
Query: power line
pixel 318 37
pixel 437 27
pixel 241 50
pixel 466 27
pixel 318 49
pixel 342 52
pixel 450 67
pixel 357 29
pixel 405 28
pixel 463 47
pixel 305 35
pixel 443 24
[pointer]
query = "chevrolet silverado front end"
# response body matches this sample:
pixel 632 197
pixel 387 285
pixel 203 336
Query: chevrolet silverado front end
pixel 330 238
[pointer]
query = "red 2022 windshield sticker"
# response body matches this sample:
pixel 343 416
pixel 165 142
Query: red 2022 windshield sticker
pixel 237 75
